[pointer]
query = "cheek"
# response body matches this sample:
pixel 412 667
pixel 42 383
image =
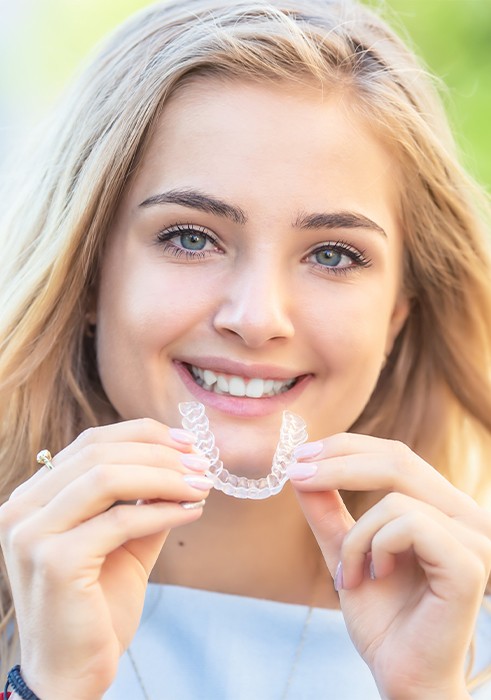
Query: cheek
pixel 146 302
pixel 143 313
pixel 352 323
pixel 348 337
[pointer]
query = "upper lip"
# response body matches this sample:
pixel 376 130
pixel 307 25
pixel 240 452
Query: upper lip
pixel 221 365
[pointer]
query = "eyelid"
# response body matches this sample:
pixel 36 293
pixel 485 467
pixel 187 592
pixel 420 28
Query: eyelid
pixel 359 257
pixel 165 239
pixel 338 244
pixel 179 227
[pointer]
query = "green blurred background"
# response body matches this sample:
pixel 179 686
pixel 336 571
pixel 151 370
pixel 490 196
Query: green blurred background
pixel 44 40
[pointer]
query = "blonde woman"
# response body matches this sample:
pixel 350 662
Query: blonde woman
pixel 255 206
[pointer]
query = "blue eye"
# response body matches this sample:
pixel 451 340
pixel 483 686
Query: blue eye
pixel 329 257
pixel 193 240
pixel 338 257
pixel 188 240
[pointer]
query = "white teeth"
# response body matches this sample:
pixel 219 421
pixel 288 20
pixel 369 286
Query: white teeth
pixel 222 384
pixel 209 377
pixel 236 386
pixel 254 388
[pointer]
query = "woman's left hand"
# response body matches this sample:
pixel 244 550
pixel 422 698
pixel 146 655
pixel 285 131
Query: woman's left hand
pixel 411 572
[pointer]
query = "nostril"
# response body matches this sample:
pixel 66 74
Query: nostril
pixel 254 324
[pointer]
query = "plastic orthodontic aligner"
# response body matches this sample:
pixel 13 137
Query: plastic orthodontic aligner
pixel 293 432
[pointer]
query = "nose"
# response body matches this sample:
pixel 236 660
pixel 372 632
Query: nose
pixel 256 307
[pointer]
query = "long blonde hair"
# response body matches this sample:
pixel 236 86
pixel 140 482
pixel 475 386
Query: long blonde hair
pixel 434 392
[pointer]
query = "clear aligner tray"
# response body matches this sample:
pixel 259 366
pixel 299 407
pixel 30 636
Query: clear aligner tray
pixel 293 432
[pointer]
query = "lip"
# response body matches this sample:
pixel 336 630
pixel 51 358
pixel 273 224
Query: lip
pixel 241 405
pixel 222 365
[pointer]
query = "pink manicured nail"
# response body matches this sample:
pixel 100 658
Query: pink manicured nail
pixel 182 436
pixel 310 449
pixel 338 578
pixel 192 505
pixel 195 462
pixel 202 483
pixel 301 470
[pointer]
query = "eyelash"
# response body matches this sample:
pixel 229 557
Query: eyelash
pixel 359 258
pixel 165 238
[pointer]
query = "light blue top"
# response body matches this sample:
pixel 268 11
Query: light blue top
pixel 199 645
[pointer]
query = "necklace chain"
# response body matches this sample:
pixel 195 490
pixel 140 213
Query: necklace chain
pixel 291 675
pixel 298 652
pixel 137 674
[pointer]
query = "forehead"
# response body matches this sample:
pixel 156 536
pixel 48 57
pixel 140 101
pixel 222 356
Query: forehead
pixel 247 138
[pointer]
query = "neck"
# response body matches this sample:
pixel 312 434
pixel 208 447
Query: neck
pixel 260 549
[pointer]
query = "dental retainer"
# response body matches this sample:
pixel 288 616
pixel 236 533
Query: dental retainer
pixel 293 432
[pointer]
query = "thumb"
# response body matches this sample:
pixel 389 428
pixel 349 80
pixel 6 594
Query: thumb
pixel 329 520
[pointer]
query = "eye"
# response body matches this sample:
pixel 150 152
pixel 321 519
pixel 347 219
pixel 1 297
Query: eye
pixel 331 258
pixel 188 240
pixel 192 240
pixel 338 257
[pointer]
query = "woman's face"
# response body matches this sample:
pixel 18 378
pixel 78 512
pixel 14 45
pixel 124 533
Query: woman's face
pixel 254 265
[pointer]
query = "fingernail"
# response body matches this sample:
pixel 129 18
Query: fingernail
pixel 182 436
pixel 310 449
pixel 195 462
pixel 338 578
pixel 202 483
pixel 192 505
pixel 301 470
pixel 371 571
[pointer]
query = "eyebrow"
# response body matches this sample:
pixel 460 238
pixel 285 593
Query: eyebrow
pixel 337 219
pixel 198 200
pixel 195 199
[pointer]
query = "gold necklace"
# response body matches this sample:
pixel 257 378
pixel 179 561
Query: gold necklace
pixel 294 666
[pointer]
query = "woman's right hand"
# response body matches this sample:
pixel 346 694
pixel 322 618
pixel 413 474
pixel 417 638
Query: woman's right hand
pixel 80 542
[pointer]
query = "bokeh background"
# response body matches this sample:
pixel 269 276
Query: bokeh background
pixel 43 41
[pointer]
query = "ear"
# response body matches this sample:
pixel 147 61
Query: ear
pixel 397 320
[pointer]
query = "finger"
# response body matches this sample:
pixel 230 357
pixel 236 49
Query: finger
pixel 86 546
pixel 358 542
pixel 104 485
pixel 341 444
pixel 126 524
pixel 142 430
pixel 41 490
pixel 329 520
pixel 396 468
pixel 453 571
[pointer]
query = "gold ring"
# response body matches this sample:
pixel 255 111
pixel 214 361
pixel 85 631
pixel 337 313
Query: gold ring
pixel 44 457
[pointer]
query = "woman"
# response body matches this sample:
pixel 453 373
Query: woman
pixel 255 206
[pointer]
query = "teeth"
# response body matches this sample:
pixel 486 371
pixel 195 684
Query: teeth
pixel 238 386
pixel 222 384
pixel 209 377
pixel 255 388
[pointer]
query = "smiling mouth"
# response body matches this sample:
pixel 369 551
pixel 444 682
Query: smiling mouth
pixel 234 385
